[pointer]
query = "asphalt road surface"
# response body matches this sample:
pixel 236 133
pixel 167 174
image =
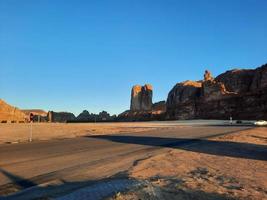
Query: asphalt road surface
pixel 56 167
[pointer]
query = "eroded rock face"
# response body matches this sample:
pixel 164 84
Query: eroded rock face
pixel 136 98
pixel 241 94
pixel 184 92
pixel 60 116
pixel 212 90
pixel 237 80
pixel 208 76
pixel 141 98
pixel 159 107
pixel 10 113
pixel 260 78
pixel 142 108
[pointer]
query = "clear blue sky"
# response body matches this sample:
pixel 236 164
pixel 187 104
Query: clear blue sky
pixel 73 55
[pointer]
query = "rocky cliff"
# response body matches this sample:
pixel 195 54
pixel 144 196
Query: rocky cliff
pixel 241 94
pixel 60 116
pixel 141 98
pixel 142 108
pixel 10 113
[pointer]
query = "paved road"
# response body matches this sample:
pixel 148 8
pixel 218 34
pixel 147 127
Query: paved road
pixel 59 166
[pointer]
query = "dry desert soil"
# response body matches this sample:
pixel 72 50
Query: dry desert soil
pixel 235 169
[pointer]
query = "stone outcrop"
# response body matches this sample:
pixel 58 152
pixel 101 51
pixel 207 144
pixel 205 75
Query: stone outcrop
pixel 259 79
pixel 184 92
pixel 212 90
pixel 141 98
pixel 10 113
pixel 142 108
pixel 181 99
pixel 85 116
pixel 60 116
pixel 241 94
pixel 237 80
pixel 159 107
pixel 208 76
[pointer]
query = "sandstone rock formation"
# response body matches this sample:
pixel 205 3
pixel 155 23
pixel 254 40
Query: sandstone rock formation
pixel 141 98
pixel 184 92
pixel 10 113
pixel 212 90
pixel 241 94
pixel 159 107
pixel 237 80
pixel 60 116
pixel 142 108
pixel 85 116
pixel 259 79
pixel 208 76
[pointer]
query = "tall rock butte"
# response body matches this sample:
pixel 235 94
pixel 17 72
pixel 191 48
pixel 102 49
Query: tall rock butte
pixel 141 98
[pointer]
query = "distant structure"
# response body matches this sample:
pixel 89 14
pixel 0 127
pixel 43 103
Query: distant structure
pixel 141 98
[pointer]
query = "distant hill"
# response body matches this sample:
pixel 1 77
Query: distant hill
pixel 10 113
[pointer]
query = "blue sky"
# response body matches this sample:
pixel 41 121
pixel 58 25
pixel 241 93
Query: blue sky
pixel 73 55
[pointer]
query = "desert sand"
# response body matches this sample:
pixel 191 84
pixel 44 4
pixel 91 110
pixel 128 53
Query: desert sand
pixel 14 133
pixel 184 174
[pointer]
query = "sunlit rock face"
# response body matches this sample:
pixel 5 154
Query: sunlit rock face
pixel 141 98
pixel 142 108
pixel 241 94
pixel 208 76
pixel 10 113
pixel 136 98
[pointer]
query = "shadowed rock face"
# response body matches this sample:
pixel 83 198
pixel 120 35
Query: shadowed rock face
pixel 184 92
pixel 212 90
pixel 141 98
pixel 237 80
pixel 241 94
pixel 259 79
pixel 60 116
pixel 142 108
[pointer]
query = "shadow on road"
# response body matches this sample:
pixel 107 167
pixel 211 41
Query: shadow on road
pixel 101 190
pixel 220 148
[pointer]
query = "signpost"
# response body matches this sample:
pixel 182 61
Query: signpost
pixel 31 121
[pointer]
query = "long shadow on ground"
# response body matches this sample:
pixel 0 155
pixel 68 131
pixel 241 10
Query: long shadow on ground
pixel 220 148
pixel 100 190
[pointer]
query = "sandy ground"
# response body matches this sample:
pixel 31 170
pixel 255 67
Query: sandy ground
pixel 13 133
pixel 227 167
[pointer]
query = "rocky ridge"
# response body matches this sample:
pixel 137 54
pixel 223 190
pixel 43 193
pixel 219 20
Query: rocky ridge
pixel 241 94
